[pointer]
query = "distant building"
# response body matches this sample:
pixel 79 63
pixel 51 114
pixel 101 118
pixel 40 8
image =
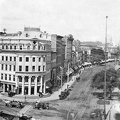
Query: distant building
pixel 25 61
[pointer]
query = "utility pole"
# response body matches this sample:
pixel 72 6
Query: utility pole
pixel 105 71
pixel 68 74
pixel 61 76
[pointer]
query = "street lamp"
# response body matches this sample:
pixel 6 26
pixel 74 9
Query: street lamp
pixel 105 71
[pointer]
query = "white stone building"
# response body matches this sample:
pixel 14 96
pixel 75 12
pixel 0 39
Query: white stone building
pixel 25 61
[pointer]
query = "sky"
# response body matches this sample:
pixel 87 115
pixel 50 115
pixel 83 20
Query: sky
pixel 84 19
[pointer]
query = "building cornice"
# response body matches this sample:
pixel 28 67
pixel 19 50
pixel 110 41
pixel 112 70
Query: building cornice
pixel 24 51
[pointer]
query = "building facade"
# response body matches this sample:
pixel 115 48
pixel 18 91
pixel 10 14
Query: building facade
pixel 25 61
pixel 58 57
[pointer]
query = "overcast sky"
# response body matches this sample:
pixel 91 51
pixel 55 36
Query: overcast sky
pixel 84 19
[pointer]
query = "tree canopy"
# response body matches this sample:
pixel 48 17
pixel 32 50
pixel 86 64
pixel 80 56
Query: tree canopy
pixel 97 55
pixel 111 79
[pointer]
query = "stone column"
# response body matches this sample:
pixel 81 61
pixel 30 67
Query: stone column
pixel 37 60
pixel 12 88
pixel 41 82
pixel 23 85
pixel 35 89
pixel 30 64
pixel 29 88
pixel 23 66
pixel 44 90
pixel 7 87
pixel 17 84
pixel 3 87
pixel 17 65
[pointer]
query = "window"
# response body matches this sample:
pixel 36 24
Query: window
pixel 28 47
pixel 39 68
pixel 10 46
pixel 33 68
pixel 39 59
pixel 1 76
pixel 20 59
pixel 33 59
pixel 39 47
pixel 6 58
pixel 9 77
pixel 10 58
pixel 14 58
pixel 44 47
pixel 26 78
pixel 32 80
pixel 2 57
pixel 43 59
pixel 34 47
pixel 20 79
pixel 5 76
pixel 43 67
pixel 2 67
pixel 27 59
pixel 10 68
pixel 15 47
pixel 2 46
pixel 20 47
pixel 20 68
pixel 26 68
pixel 14 68
pixel 6 47
pixel 39 79
pixel 13 77
pixel 5 67
pixel 27 35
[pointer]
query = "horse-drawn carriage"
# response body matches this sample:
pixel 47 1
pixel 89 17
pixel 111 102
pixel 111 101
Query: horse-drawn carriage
pixel 13 103
pixel 41 105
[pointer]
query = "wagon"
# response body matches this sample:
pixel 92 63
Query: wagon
pixel 41 105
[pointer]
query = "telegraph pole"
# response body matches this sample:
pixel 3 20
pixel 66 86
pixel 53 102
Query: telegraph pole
pixel 105 71
pixel 68 74
pixel 61 76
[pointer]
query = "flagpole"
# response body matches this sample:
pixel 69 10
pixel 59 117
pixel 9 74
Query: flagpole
pixel 105 71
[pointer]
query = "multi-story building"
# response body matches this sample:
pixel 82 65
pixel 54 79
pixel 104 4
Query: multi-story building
pixel 68 54
pixel 25 61
pixel 58 57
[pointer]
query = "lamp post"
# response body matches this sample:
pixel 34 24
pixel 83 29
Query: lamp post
pixel 105 71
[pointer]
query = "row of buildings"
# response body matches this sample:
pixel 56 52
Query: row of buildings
pixel 32 60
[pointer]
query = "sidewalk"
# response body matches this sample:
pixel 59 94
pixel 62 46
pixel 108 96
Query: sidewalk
pixel 54 96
